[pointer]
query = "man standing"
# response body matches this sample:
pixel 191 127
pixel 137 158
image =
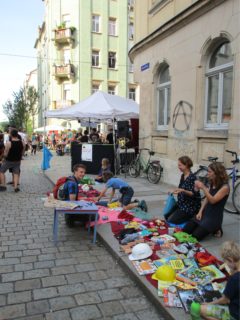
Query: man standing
pixel 13 153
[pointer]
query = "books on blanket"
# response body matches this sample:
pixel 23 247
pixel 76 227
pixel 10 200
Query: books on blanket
pixel 200 276
pixel 144 267
pixel 202 294
pixel 171 297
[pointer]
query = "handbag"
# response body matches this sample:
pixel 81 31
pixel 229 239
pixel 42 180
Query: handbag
pixel 170 204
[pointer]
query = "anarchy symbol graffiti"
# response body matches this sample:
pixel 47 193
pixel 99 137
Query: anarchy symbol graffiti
pixel 182 116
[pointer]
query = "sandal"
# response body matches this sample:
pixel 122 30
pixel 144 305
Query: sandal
pixel 219 233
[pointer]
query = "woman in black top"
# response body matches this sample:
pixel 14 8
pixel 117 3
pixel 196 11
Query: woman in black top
pixel 189 200
pixel 210 216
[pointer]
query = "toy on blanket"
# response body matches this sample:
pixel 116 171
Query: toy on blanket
pixel 115 204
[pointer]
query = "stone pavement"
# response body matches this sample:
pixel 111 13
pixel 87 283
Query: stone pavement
pixel 75 280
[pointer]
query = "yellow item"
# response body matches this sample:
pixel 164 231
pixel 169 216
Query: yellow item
pixel 164 273
pixel 115 204
pixel 132 224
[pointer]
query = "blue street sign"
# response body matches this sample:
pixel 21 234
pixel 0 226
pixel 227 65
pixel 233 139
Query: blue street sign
pixel 145 66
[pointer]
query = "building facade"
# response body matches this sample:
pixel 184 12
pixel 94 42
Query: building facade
pixel 31 80
pixel 83 47
pixel 187 63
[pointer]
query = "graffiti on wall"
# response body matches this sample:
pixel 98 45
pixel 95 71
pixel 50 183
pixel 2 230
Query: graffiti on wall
pixel 182 117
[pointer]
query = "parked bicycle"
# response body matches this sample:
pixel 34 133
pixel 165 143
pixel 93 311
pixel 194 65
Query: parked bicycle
pixel 151 168
pixel 233 203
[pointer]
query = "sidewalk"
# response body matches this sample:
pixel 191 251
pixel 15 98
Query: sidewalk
pixel 155 195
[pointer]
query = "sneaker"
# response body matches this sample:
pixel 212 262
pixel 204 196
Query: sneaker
pixel 16 189
pixel 143 206
pixel 10 182
pixel 3 188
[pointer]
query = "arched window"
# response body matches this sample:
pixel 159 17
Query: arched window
pixel 219 78
pixel 163 98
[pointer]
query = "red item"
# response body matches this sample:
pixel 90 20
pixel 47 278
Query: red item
pixel 205 259
pixel 58 184
pixel 116 227
pixel 125 215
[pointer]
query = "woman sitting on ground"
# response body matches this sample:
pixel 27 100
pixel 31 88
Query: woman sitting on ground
pixel 189 200
pixel 210 216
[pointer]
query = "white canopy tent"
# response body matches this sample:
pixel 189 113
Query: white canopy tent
pixel 100 105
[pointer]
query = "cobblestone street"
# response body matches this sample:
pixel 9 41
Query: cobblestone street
pixel 76 280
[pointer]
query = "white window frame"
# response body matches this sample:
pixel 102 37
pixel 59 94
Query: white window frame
pixel 112 26
pixel 96 23
pixel 113 92
pixel 163 86
pixel 96 57
pixel 115 55
pixel 66 91
pixel 219 70
pixel 131 31
pixel 66 56
pixel 132 95
pixel 94 85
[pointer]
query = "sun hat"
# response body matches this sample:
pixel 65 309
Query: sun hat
pixel 140 251
pixel 164 273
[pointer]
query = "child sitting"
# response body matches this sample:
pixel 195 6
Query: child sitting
pixel 126 191
pixel 227 307
pixel 106 167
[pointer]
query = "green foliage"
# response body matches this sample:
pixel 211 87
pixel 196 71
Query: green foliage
pixel 3 126
pixel 24 107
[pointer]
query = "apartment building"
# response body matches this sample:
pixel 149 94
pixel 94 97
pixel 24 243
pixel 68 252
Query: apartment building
pixel 187 63
pixel 83 47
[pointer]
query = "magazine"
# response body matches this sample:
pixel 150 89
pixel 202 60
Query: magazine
pixel 144 267
pixel 177 264
pixel 188 296
pixel 214 272
pixel 194 276
pixel 188 262
pixel 163 253
pixel 183 285
pixel 167 238
pixel 208 293
pixel 171 297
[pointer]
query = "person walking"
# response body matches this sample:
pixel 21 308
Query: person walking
pixel 13 153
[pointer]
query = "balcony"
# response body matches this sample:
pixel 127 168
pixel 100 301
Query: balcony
pixel 65 71
pixel 59 104
pixel 64 36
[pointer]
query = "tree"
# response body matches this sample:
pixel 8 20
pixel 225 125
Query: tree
pixel 23 108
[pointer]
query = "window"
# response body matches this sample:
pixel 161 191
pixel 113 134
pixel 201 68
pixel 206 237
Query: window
pixel 163 98
pixel 96 23
pixel 112 27
pixel 131 31
pixel 111 89
pixel 95 58
pixel 66 56
pixel 95 87
pixel 219 78
pixel 132 93
pixel 66 91
pixel 112 60
pixel 130 4
pixel 66 20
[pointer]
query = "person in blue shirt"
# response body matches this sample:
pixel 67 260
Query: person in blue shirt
pixel 126 191
pixel 71 191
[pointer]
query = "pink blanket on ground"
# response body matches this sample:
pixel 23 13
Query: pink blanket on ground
pixel 112 215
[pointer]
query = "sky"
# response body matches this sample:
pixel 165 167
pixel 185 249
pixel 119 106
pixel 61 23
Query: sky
pixel 19 21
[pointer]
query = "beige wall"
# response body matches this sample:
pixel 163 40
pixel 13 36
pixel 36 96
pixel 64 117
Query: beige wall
pixel 186 49
pixel 151 14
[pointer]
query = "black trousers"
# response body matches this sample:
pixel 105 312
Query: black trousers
pixel 193 228
pixel 177 216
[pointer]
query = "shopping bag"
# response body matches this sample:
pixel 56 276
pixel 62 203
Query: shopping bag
pixel 170 204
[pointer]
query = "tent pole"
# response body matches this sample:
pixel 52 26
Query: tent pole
pixel 114 148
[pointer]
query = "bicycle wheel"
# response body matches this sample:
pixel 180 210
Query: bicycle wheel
pixel 154 173
pixel 201 175
pixel 236 197
pixel 134 168
pixel 229 206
